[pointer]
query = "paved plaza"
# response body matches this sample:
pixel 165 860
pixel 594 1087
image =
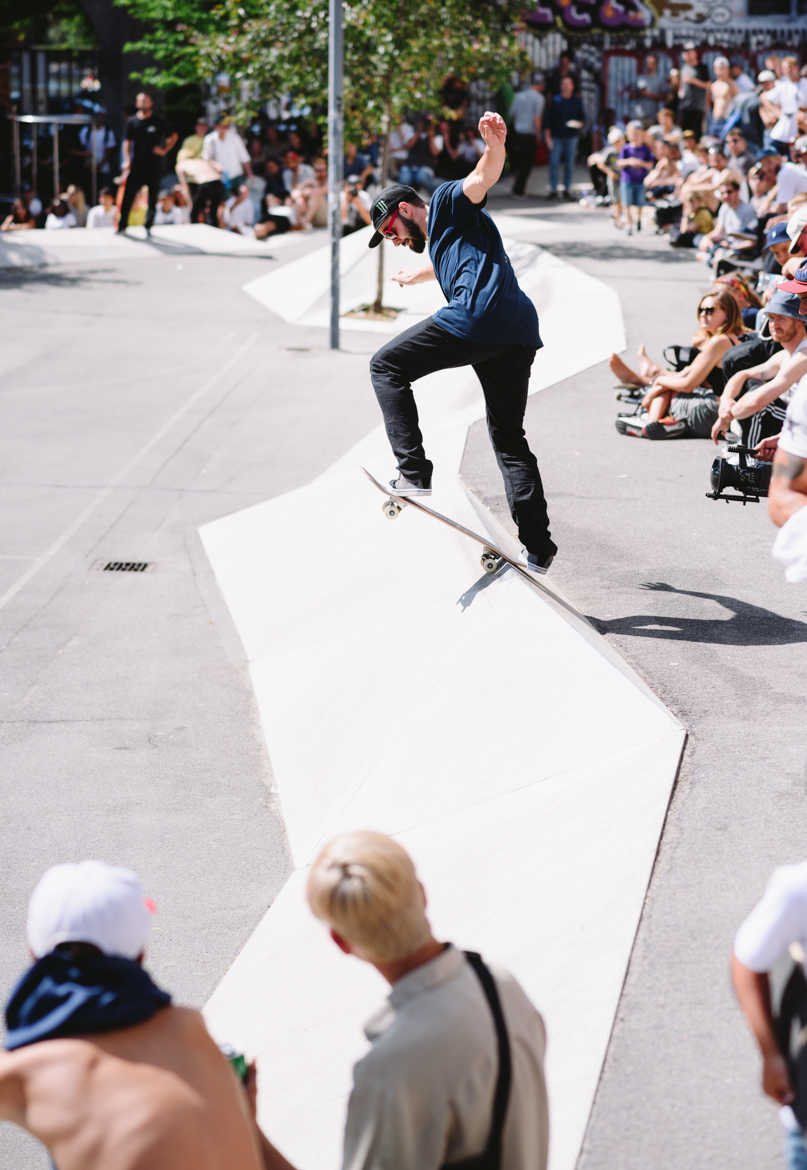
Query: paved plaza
pixel 148 397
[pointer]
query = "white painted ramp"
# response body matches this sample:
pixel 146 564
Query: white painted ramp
pixel 479 719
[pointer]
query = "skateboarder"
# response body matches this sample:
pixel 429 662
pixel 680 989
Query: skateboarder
pixel 488 323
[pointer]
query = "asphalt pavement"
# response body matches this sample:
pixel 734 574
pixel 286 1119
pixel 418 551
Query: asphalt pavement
pixel 687 590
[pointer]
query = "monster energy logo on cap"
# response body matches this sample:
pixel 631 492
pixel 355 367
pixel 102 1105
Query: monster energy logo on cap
pixel 381 206
pixel 388 201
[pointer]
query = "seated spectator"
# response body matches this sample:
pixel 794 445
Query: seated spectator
pixel 787 495
pixel 105 213
pixel 634 162
pixel 310 198
pixel 60 216
pixel 296 172
pixel 181 203
pixel 237 214
pixel 685 403
pixel 471 148
pixel 423 1095
pixel 275 220
pixel 741 155
pixel 733 216
pixel 355 163
pixel 356 205
pixel 167 211
pixel 739 286
pixel 77 203
pixel 666 128
pixel 19 219
pixel 421 158
pixel 690 162
pixel 275 194
pixel 665 177
pixel 761 408
pixel 760 185
pixel 788 180
pixel 101 1067
pixel 777 248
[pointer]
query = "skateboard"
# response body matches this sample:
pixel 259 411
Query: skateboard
pixel 492 557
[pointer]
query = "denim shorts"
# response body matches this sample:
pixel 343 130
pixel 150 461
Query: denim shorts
pixel 632 194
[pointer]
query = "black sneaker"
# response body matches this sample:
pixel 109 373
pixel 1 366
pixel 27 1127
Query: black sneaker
pixel 538 563
pixel 410 487
pixel 552 195
pixel 670 428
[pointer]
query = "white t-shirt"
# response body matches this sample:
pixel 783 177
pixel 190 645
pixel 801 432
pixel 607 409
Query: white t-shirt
pixel 229 152
pixel 174 215
pixel 56 223
pixel 744 83
pixel 778 921
pixel 305 174
pixel 789 97
pixel 239 216
pixel 793 438
pixel 736 219
pixel 398 140
pixel 99 217
pixel 792 180
pixel 526 107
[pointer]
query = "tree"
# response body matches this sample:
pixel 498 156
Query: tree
pixel 397 52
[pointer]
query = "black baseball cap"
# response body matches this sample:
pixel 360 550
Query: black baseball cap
pixel 386 202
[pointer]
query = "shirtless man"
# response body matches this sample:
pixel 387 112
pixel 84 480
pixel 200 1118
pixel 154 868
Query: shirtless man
pixel 722 90
pixel 115 1078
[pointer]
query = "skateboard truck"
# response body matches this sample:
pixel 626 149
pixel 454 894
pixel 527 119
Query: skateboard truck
pixel 391 508
pixel 490 560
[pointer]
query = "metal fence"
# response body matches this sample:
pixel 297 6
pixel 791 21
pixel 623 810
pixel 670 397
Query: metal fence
pixel 55 121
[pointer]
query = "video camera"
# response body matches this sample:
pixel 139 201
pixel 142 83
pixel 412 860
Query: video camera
pixel 745 473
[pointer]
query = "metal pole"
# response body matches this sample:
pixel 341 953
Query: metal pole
pixel 34 159
pixel 94 166
pixel 55 160
pixel 335 152
pixel 17 161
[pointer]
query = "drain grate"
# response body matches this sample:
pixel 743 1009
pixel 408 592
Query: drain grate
pixel 125 566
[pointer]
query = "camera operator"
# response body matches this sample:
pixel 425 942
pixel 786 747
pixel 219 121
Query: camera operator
pixel 356 205
pixel 761 410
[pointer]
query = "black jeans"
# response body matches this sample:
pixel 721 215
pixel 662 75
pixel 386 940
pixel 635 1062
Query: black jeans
pixel 212 193
pixel 524 160
pixel 141 176
pixel 504 371
pixel 692 120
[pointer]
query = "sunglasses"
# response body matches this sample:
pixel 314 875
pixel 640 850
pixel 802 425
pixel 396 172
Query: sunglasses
pixel 706 312
pixel 388 233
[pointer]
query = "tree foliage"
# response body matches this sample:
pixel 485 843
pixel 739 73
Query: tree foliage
pixel 396 51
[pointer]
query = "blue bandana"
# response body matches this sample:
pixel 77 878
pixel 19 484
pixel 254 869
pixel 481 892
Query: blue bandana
pixel 62 996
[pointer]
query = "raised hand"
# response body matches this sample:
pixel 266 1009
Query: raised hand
pixel 492 129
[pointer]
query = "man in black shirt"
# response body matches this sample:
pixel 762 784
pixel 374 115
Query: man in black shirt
pixel 692 94
pixel 148 139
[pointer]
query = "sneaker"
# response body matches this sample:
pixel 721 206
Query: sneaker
pixel 638 225
pixel 552 195
pixel 666 428
pixel 631 425
pixel 538 563
pixel 567 195
pixel 410 487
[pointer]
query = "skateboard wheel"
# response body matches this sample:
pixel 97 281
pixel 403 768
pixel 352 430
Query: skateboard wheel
pixel 391 509
pixel 490 562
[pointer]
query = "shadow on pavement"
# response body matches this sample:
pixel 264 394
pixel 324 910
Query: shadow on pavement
pixel 619 251
pixel 21 278
pixel 750 625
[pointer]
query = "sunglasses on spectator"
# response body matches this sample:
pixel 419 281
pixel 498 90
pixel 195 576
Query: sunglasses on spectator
pixel 706 312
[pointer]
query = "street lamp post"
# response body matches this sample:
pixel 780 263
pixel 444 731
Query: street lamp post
pixel 335 152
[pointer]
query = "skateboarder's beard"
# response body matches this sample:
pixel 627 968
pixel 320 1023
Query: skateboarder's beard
pixel 417 240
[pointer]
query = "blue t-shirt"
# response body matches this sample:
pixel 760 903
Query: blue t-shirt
pixel 485 303
pixel 636 174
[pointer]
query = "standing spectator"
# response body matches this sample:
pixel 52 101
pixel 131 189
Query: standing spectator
pixel 100 1066
pixel 149 138
pixel 785 99
pixel 275 194
pixel 723 91
pixel 60 216
pixel 565 69
pixel 421 159
pixel 694 87
pixel 634 163
pixel 455 1066
pixel 105 214
pixel 224 148
pixel 648 92
pixel 106 146
pixel 565 119
pixel 189 165
pixel 616 140
pixel 746 113
pixel 772 927
pixel 526 114
pixel 740 77
pixel 673 91
pixel 401 138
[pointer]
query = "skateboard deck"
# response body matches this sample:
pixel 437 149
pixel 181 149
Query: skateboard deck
pixel 492 556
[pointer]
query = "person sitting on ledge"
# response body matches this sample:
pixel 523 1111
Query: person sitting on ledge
pixel 684 403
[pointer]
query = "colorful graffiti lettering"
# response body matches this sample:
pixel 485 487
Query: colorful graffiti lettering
pixel 579 16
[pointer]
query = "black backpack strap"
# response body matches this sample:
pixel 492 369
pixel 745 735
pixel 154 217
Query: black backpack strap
pixel 493 1150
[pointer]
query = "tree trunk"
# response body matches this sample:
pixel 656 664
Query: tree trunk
pixel 113 27
pixel 379 290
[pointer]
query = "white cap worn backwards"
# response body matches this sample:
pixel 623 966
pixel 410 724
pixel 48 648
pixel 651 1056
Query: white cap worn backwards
pixel 92 903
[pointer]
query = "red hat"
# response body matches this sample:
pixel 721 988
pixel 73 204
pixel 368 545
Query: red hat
pixel 799 282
